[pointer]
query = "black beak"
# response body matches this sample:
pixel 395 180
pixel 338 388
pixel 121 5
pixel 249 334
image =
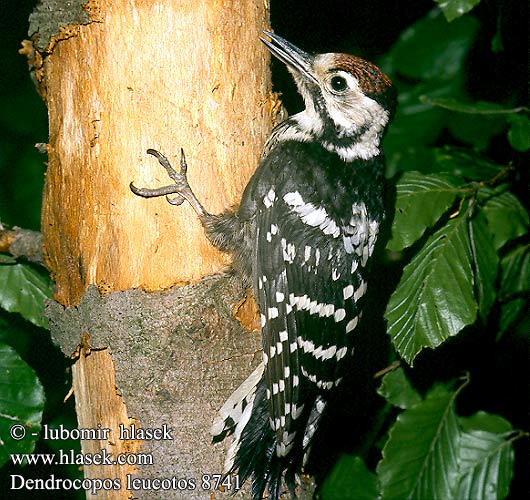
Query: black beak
pixel 289 54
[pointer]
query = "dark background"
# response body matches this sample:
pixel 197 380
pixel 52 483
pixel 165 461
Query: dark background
pixel 366 28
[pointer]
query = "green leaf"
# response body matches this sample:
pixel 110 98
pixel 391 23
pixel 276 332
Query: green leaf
pixel 397 390
pixel 421 200
pixel 453 9
pixel 458 162
pixel 350 479
pixel 433 49
pixel 419 158
pixel 507 218
pixel 487 465
pixel 485 457
pixel 420 457
pixel 434 298
pixel 21 403
pixel 477 131
pixel 417 123
pixel 23 290
pixel 519 133
pixel 432 453
pixel 475 108
pixel 465 163
pixel 515 280
pixel 483 421
pixel 511 311
pixel 515 276
pixel 485 263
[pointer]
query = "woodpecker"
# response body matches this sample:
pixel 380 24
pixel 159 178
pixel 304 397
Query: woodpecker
pixel 303 235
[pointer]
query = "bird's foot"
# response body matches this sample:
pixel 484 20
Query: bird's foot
pixel 180 187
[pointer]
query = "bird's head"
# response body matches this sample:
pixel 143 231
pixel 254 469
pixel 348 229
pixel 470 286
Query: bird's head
pixel 349 101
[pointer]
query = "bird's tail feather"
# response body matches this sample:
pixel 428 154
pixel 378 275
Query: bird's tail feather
pixel 246 415
pixel 231 413
pixel 253 451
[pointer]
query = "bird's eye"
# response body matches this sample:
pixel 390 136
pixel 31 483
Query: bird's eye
pixel 339 84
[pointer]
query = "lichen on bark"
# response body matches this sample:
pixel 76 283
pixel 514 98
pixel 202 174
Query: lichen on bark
pixel 174 352
pixel 51 16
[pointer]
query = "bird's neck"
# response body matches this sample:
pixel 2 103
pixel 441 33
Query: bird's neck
pixel 351 144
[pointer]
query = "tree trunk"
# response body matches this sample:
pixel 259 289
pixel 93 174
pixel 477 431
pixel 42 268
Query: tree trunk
pixel 119 77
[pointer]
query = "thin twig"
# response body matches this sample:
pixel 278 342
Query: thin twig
pixel 390 368
pixel 21 242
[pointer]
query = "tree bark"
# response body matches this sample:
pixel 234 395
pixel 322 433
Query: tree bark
pixel 141 75
pixel 119 77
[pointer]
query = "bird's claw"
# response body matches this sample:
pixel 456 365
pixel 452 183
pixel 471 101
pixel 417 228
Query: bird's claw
pixel 177 200
pixel 180 187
